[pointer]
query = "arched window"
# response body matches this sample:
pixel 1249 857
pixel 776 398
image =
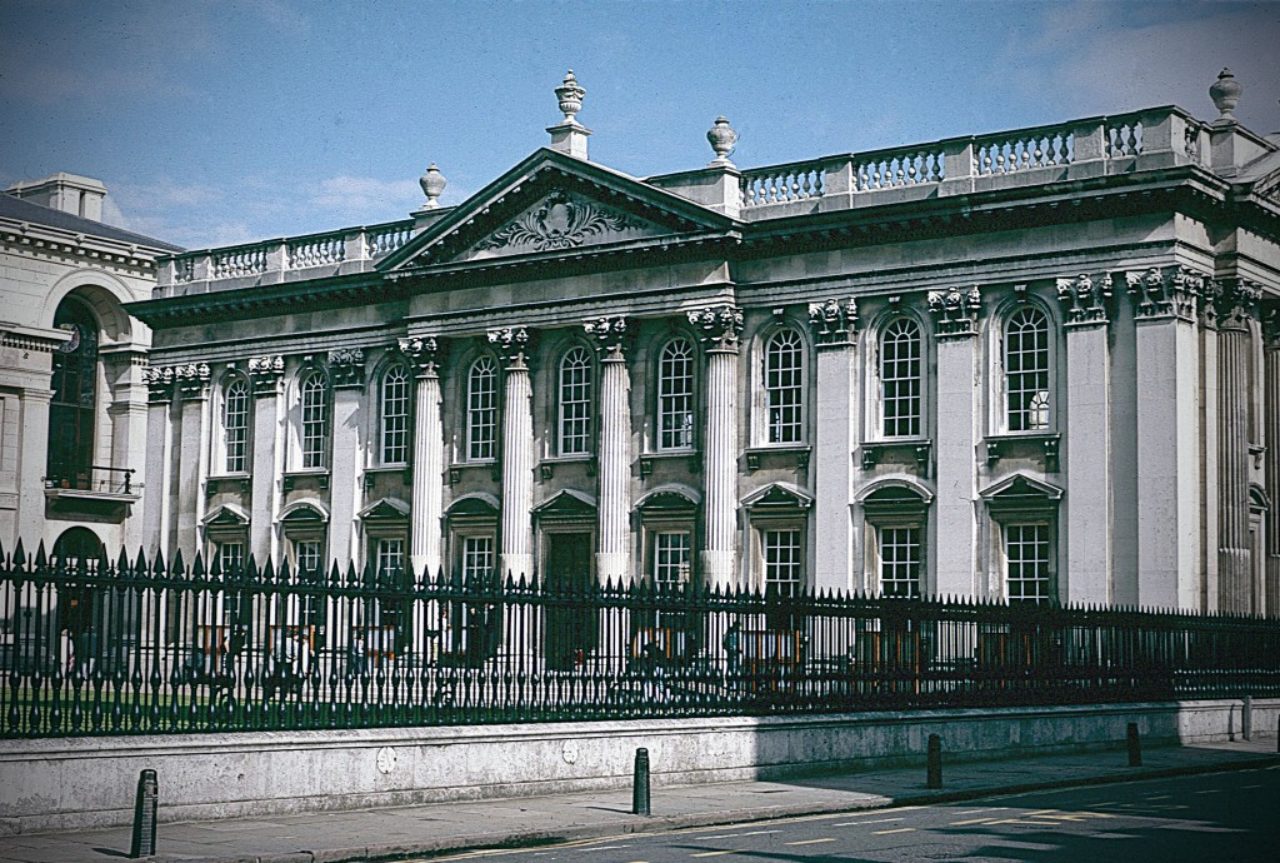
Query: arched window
pixel 235 426
pixel 784 386
pixel 315 420
pixel 1026 370
pixel 395 415
pixel 900 379
pixel 75 394
pixel 575 403
pixel 482 408
pixel 675 395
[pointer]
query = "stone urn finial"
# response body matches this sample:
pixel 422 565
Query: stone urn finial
pixel 570 93
pixel 1225 94
pixel 723 139
pixel 432 183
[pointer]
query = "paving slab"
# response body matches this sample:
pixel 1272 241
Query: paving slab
pixel 400 832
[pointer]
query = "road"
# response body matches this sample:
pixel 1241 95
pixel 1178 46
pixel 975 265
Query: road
pixel 1215 817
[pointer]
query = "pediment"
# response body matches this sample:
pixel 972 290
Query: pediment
pixel 567 502
pixel 386 509
pixel 553 205
pixel 778 495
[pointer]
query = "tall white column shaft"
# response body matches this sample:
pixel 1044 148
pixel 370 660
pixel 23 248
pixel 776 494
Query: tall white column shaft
pixel 267 374
pixel 613 558
pixel 837 404
pixel 346 458
pixel 1271 414
pixel 721 327
pixel 517 455
pixel 157 503
pixel 428 466
pixel 193 386
pixel 1235 572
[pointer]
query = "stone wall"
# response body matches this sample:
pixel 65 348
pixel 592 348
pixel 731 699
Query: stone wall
pixel 90 782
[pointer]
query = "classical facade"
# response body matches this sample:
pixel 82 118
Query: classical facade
pixel 1039 365
pixel 73 399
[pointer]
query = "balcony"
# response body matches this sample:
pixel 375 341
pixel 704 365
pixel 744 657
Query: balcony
pixel 102 491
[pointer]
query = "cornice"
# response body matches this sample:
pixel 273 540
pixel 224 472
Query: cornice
pixel 58 241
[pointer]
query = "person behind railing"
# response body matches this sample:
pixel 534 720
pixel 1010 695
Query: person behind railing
pixel 86 652
pixel 282 658
pixel 733 651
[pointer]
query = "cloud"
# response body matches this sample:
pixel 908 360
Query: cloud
pixel 1093 58
pixel 365 197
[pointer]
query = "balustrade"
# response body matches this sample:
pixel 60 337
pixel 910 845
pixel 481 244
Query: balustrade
pixel 239 261
pixel 385 239
pixel 1023 151
pixel 1124 137
pixel 782 184
pixel 316 251
pixel 891 169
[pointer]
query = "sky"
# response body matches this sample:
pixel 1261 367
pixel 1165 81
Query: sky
pixel 223 121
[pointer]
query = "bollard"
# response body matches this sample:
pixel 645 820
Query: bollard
pixel 1135 745
pixel 144 816
pixel 640 786
pixel 1246 718
pixel 935 762
pixel 1278 734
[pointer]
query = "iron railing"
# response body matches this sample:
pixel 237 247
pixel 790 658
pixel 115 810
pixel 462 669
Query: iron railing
pixel 91 647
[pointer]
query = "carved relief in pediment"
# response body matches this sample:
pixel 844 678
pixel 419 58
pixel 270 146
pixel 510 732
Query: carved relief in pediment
pixel 561 221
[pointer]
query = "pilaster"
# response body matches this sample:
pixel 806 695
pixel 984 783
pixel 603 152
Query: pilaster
pixel 1089 571
pixel 1271 433
pixel 192 382
pixel 720 328
pixel 157 502
pixel 426 506
pixel 955 313
pixel 346 457
pixel 614 556
pixel 513 345
pixel 834 324
pixel 266 375
pixel 1169 438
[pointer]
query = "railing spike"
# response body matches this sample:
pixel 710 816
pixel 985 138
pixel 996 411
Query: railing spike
pixel 197 566
pixel 42 559
pixel 19 554
pixel 178 563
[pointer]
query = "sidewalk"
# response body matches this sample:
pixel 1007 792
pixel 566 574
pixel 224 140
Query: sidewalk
pixel 331 837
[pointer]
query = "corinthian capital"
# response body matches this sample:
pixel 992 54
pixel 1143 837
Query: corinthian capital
pixel 719 326
pixel 955 311
pixel 834 322
pixel 1171 291
pixel 424 352
pixel 159 383
pixel 610 336
pixel 346 368
pixel 193 380
pixel 1084 299
pixel 1230 303
pixel 266 373
pixel 513 345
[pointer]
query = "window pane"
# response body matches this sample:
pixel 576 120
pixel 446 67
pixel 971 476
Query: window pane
pixel 71 411
pixel 784 385
pixel 782 561
pixel 482 409
pixel 395 415
pixel 315 420
pixel 307 555
pixel 1026 363
pixel 900 379
pixel 575 403
pixel 1026 548
pixel 390 556
pixel 900 562
pixel 477 556
pixel 235 426
pixel 671 554
pixel 675 395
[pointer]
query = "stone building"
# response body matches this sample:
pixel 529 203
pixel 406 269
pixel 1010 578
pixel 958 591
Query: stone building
pixel 73 402
pixel 1038 365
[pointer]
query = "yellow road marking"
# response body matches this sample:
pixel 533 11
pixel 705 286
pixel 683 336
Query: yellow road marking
pixel 713 853
pixel 968 821
pixel 895 830
pixel 811 841
pixel 872 821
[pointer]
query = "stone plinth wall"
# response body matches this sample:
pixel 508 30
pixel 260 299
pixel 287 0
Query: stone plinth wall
pixel 89 782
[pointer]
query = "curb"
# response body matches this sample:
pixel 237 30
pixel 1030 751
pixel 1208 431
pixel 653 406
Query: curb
pixel 667 823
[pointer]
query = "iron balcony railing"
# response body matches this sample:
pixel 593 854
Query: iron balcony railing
pixel 95 478
pixel 92 647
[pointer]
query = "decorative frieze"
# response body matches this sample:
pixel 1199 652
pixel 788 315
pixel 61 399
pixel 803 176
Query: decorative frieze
pixel 513 345
pixel 561 221
pixel 610 336
pixel 955 311
pixel 719 326
pixel 424 352
pixel 1169 291
pixel 346 368
pixel 1084 299
pixel 266 374
pixel 834 322
pixel 159 383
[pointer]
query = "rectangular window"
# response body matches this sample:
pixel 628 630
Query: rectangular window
pixel 784 385
pixel 1027 573
pixel 900 379
pixel 671 553
pixel 236 426
pixel 231 560
pixel 783 561
pixel 315 421
pixel 390 556
pixel 575 403
pixel 307 557
pixel 482 409
pixel 675 396
pixel 395 416
pixel 477 556
pixel 900 561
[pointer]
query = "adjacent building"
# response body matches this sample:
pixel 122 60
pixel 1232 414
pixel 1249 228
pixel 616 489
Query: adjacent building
pixel 73 399
pixel 1038 365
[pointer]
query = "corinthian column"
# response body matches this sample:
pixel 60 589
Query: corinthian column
pixel 512 344
pixel 1271 434
pixel 428 455
pixel 1234 302
pixel 613 558
pixel 720 328
pixel 267 374
pixel 157 507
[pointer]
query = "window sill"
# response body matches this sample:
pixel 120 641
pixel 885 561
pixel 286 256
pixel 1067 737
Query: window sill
pixel 240 480
pixel 921 449
pixel 371 474
pixel 547 467
pixel 456 470
pixel 799 451
pixel 1043 444
pixel 291 477
pixel 647 459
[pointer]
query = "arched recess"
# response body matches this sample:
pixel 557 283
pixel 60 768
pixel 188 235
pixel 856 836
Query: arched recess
pixel 107 296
